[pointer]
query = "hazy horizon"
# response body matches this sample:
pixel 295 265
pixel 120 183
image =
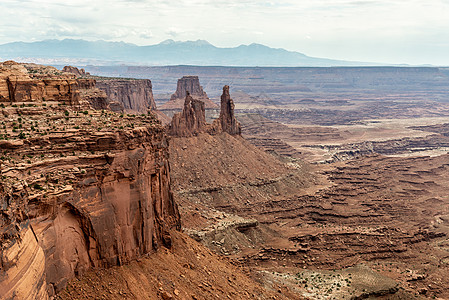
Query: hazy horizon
pixel 394 32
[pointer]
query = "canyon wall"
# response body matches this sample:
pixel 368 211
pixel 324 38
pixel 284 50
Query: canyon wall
pixel 22 266
pixel 23 83
pixel 135 95
pixel 76 194
pixel 123 95
pixel 39 84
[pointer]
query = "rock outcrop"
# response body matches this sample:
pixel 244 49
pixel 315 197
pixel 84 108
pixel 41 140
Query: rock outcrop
pixel 98 99
pixel 28 83
pixel 79 189
pixel 135 95
pixel 191 85
pixel 38 84
pixel 76 71
pixel 192 121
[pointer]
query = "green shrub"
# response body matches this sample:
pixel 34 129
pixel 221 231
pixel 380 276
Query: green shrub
pixel 37 186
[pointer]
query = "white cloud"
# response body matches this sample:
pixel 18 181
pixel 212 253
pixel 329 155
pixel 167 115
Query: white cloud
pixel 146 34
pixel 368 30
pixel 174 32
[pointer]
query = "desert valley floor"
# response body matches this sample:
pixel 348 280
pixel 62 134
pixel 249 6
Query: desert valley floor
pixel 349 198
pixel 336 187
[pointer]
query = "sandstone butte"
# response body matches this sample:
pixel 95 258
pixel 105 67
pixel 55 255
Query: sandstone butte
pixel 80 187
pixel 187 85
pixel 192 120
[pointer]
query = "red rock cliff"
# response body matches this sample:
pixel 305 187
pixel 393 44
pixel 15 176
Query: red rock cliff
pixel 29 83
pixel 123 95
pixel 78 190
pixel 135 95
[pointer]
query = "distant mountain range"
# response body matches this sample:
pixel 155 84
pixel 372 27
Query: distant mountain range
pixel 169 52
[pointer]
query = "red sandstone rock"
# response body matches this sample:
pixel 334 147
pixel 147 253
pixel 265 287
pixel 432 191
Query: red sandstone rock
pixel 21 83
pixel 192 119
pixel 97 99
pixel 74 193
pixel 86 83
pixel 22 267
pixel 34 83
pixel 227 121
pixel 135 95
pixel 75 70
pixel 187 84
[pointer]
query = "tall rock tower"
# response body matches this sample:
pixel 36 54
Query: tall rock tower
pixel 189 84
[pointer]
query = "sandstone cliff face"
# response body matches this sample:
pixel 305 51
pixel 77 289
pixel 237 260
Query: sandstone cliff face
pixel 22 83
pixel 78 190
pixel 135 95
pixel 97 99
pixel 191 121
pixel 38 84
pixel 22 267
pixel 119 95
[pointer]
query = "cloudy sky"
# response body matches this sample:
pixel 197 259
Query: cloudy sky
pixel 390 31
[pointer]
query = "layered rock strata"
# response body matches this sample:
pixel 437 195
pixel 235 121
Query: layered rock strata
pixel 192 121
pixel 79 189
pixel 25 83
pixel 135 95
pixel 188 85
pixel 38 84
pixel 22 263
pixel 121 95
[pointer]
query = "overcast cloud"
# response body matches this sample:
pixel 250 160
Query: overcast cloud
pixel 393 31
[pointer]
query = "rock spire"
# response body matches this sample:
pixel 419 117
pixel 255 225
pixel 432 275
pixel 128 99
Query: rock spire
pixel 227 120
pixel 192 121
